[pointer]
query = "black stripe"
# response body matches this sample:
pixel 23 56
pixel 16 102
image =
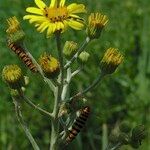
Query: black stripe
pixel 78 125
pixel 76 128
pixel 83 118
pixel 80 121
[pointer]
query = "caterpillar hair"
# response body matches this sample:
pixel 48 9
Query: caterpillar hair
pixel 78 124
pixel 22 55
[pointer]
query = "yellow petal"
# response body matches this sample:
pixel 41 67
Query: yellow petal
pixel 40 4
pixel 75 24
pixel 43 26
pixel 59 26
pixel 34 10
pixel 76 8
pixel 77 18
pixel 62 3
pixel 49 30
pixel 53 3
pixel 34 18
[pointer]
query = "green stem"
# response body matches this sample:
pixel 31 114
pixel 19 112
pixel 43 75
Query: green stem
pixel 104 136
pixel 29 102
pixel 24 126
pixel 85 43
pixel 90 87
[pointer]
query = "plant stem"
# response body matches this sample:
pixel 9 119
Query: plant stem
pixel 57 93
pixel 85 43
pixel 29 102
pixel 65 87
pixel 104 136
pixel 23 124
pixel 90 87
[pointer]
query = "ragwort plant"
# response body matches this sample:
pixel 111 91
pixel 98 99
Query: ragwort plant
pixel 67 117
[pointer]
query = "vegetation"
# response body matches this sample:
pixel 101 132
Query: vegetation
pixel 121 97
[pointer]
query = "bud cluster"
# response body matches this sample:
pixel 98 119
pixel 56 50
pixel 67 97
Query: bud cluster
pixel 128 136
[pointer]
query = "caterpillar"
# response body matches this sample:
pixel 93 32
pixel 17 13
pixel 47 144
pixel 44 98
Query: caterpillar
pixel 78 124
pixel 22 55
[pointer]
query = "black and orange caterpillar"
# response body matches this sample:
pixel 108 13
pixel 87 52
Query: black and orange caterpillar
pixel 22 55
pixel 78 124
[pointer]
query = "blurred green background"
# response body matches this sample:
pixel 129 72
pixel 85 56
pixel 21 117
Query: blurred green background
pixel 121 96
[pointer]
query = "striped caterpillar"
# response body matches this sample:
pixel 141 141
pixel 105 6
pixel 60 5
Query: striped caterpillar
pixel 78 124
pixel 22 55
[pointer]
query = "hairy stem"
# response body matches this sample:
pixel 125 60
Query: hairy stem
pixel 57 93
pixel 24 126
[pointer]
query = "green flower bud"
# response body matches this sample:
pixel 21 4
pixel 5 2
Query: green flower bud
pixel 135 144
pixel 110 61
pixel 70 48
pixel 14 31
pixel 15 93
pixel 125 127
pixel 138 133
pixel 12 75
pixel 96 23
pixel 83 57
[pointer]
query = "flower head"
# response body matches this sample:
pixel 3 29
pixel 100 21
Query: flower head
pixel 49 65
pixel 111 60
pixel 96 23
pixel 84 56
pixel 12 75
pixel 56 16
pixel 14 30
pixel 70 48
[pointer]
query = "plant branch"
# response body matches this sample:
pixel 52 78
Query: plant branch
pixel 29 102
pixel 85 43
pixel 90 87
pixel 23 124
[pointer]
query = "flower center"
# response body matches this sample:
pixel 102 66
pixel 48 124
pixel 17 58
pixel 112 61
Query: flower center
pixel 56 14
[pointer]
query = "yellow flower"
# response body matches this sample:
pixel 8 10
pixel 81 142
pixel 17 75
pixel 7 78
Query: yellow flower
pixel 97 22
pixel 111 60
pixel 56 16
pixel 49 65
pixel 12 75
pixel 14 31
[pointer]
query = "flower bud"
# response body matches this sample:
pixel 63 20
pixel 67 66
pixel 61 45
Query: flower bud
pixel 14 93
pixel 83 57
pixel 12 75
pixel 49 65
pixel 113 138
pixel 125 127
pixel 70 48
pixel 124 138
pixel 14 31
pixel 138 133
pixel 110 61
pixel 96 23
